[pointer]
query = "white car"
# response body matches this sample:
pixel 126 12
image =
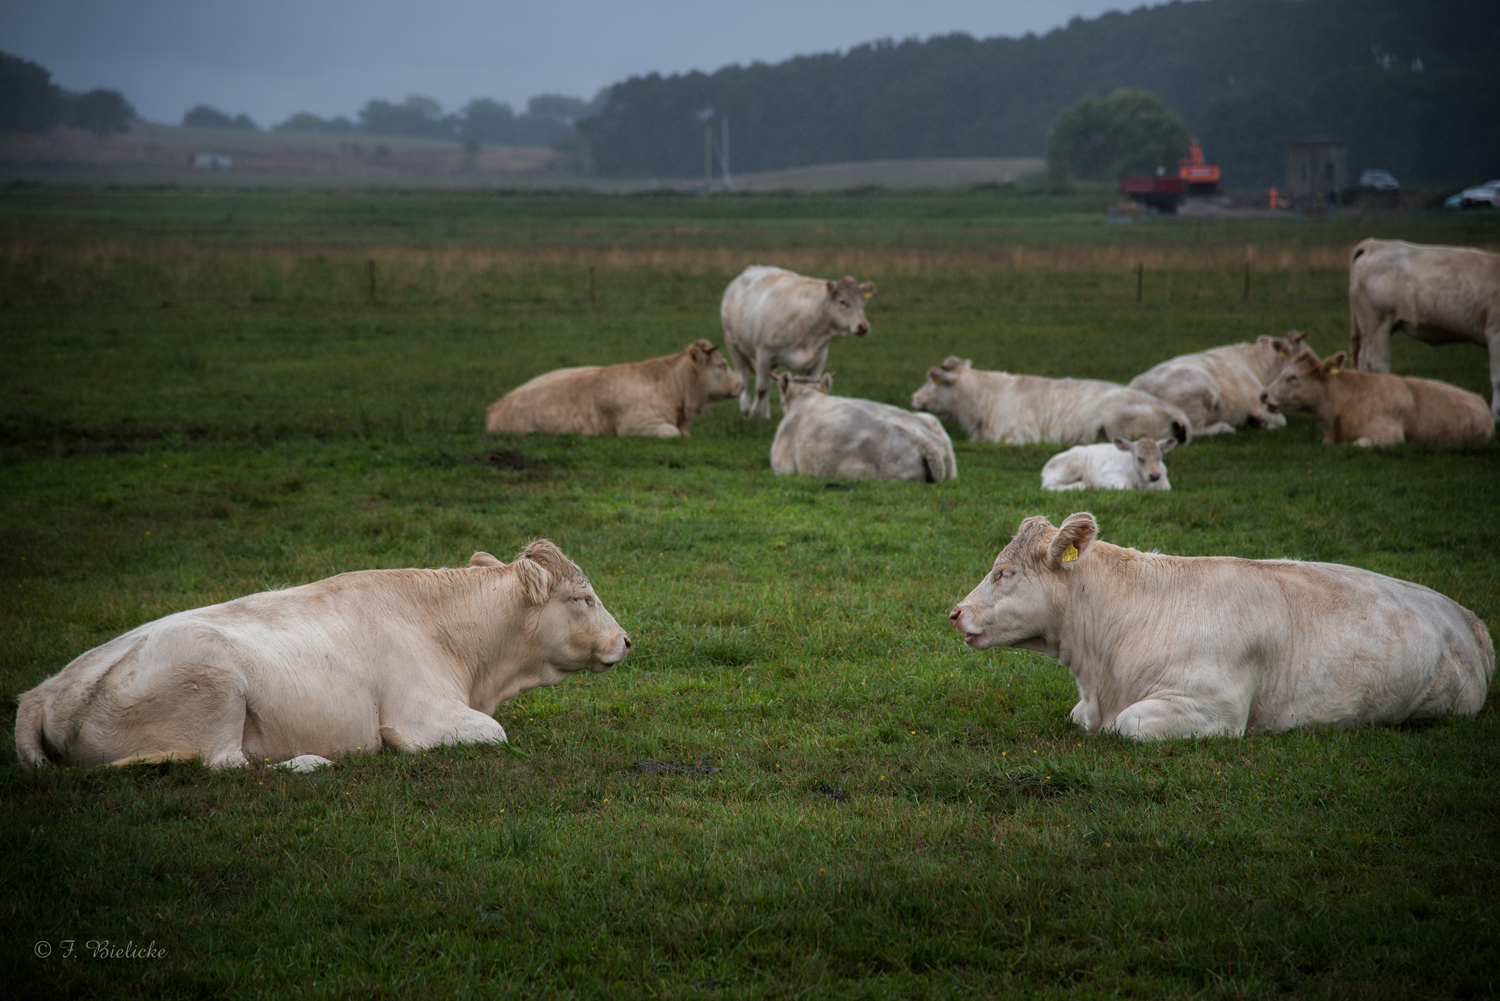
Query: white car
pixel 1486 194
pixel 1378 180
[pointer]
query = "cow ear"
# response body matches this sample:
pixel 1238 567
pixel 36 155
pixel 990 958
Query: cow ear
pixel 1122 444
pixel 1295 336
pixel 696 353
pixel 825 383
pixel 1263 340
pixel 536 581
pixel 484 560
pixel 833 289
pixel 868 288
pixel 1072 541
pixel 1334 362
pixel 1166 444
pixel 940 376
pixel 783 380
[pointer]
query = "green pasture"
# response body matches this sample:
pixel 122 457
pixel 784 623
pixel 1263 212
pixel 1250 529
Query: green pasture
pixel 881 812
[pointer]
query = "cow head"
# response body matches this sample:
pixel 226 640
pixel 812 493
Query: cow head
pixel 1145 455
pixel 720 382
pixel 1302 382
pixel 936 395
pixel 566 622
pixel 794 386
pixel 846 306
pixel 1021 601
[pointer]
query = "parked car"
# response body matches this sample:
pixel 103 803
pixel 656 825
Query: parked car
pixel 1378 180
pixel 1486 195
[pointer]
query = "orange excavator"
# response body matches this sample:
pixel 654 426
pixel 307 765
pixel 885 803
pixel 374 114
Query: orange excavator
pixel 1202 178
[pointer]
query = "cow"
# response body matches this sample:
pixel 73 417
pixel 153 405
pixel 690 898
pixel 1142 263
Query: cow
pixel 404 658
pixel 774 317
pixel 822 435
pixel 1025 409
pixel 1120 465
pixel 657 398
pixel 1219 389
pixel 1371 408
pixel 1436 294
pixel 1176 646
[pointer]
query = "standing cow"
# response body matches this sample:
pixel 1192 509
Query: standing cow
pixel 656 398
pixel 1436 294
pixel 824 435
pixel 1026 409
pixel 1174 646
pixel 406 658
pixel 1219 389
pixel 774 317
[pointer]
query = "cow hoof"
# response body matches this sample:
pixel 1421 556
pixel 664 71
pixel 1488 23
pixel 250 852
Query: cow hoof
pixel 304 763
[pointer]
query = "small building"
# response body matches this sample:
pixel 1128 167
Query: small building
pixel 212 161
pixel 1316 166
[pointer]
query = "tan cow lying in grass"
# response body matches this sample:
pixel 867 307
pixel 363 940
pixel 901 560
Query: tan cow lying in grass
pixel 1174 646
pixel 409 658
pixel 1219 389
pixel 824 435
pixel 1436 294
pixel 657 398
pixel 1369 408
pixel 774 317
pixel 1024 409
pixel 1119 465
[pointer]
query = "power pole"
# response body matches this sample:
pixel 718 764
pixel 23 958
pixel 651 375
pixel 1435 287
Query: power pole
pixel 724 155
pixel 708 159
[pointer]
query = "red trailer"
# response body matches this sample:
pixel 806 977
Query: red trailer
pixel 1160 191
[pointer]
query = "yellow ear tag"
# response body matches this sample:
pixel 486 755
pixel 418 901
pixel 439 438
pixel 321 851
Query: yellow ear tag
pixel 1070 554
pixel 1282 353
pixel 868 294
pixel 1334 370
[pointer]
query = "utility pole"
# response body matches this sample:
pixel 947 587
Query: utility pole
pixel 708 159
pixel 724 155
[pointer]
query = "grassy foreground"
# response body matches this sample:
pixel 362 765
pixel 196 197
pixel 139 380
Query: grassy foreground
pixel 892 815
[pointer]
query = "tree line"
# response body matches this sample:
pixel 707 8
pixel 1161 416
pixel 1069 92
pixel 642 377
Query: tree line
pixel 31 102
pixel 1408 86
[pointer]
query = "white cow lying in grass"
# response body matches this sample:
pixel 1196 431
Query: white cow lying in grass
pixel 1025 409
pixel 1219 389
pixel 1173 646
pixel 1120 465
pixel 409 658
pixel 824 435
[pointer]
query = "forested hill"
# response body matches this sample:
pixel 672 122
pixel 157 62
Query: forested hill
pixel 1410 85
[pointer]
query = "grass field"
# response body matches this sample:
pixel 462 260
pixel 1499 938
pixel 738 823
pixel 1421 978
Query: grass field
pixel 191 413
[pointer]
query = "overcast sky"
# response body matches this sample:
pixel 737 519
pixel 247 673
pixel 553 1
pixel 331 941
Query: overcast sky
pixel 270 58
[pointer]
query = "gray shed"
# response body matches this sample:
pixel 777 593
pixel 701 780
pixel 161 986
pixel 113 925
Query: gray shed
pixel 1316 166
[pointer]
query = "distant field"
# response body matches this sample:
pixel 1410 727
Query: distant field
pixel 197 401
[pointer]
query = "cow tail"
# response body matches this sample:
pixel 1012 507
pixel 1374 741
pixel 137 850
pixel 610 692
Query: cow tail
pixel 31 740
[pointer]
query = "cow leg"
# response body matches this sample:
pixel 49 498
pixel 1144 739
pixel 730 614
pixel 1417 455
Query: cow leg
pixel 764 362
pixel 448 723
pixel 1370 341
pixel 745 366
pixel 304 763
pixel 1494 339
pixel 1180 716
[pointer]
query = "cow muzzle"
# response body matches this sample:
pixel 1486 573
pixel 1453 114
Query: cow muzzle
pixel 861 328
pixel 1265 398
pixel 957 618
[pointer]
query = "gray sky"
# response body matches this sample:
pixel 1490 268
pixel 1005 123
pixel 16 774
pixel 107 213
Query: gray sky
pixel 270 58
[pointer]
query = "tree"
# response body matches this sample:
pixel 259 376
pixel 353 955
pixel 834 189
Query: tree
pixel 306 121
pixel 205 117
pixel 101 112
pixel 29 100
pixel 419 117
pixel 488 121
pixel 1128 132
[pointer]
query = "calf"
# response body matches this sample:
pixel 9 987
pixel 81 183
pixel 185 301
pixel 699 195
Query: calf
pixel 1219 389
pixel 1024 409
pixel 774 317
pixel 1436 294
pixel 657 398
pixel 1123 465
pixel 1172 646
pixel 824 435
pixel 406 658
pixel 1369 408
